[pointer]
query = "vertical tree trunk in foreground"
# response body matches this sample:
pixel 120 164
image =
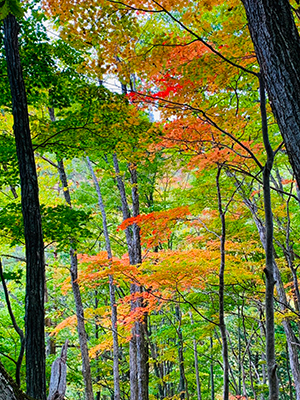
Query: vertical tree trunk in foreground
pixel 277 46
pixel 35 269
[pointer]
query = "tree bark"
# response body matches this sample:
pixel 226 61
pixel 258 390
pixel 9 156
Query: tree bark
pixel 114 316
pixel 182 389
pixel 128 233
pixel 138 347
pixel 58 380
pixel 140 325
pixel 82 335
pixel 222 325
pixel 277 46
pixel 8 389
pixel 35 271
pixel 269 268
pixel 16 327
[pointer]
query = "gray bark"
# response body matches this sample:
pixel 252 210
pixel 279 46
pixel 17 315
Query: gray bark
pixel 128 233
pixel 114 317
pixel 82 335
pixel 58 380
pixel 277 46
pixel 8 388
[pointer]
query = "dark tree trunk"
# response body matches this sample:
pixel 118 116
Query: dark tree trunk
pixel 141 325
pixel 183 392
pixel 132 344
pixel 277 46
pixel 222 325
pixel 269 268
pixel 35 271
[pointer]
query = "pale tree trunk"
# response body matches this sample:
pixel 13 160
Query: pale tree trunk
pixel 222 325
pixel 58 380
pixel 8 389
pixel 114 317
pixel 277 46
pixel 35 263
pixel 82 335
pixel 138 348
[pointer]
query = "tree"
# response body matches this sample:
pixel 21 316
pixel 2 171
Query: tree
pixel 35 270
pixel 277 46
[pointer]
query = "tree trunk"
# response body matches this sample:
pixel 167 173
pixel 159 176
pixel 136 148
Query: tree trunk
pixel 212 380
pixel 269 268
pixel 277 46
pixel 183 392
pixel 86 368
pixel 35 264
pixel 196 363
pixel 138 347
pixel 128 233
pixel 58 380
pixel 114 317
pixel 8 389
pixel 140 325
pixel 222 325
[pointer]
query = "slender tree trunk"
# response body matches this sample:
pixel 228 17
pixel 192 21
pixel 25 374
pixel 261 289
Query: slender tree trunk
pixel 140 325
pixel 222 325
pixel 196 363
pixel 35 270
pixel 86 368
pixel 277 46
pixel 82 335
pixel 269 268
pixel 183 392
pixel 128 234
pixel 212 380
pixel 113 305
pixel 16 327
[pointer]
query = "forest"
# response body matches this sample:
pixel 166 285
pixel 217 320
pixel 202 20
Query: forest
pixel 149 200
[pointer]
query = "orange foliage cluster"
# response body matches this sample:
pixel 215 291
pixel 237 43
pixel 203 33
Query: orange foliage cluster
pixel 156 227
